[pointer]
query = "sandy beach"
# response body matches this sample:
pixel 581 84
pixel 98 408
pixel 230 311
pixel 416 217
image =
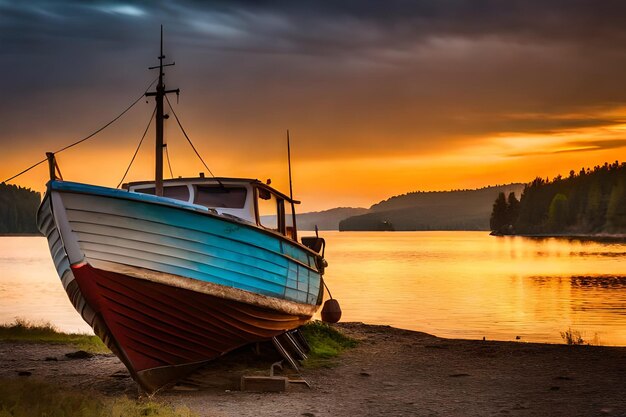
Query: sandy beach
pixel 391 372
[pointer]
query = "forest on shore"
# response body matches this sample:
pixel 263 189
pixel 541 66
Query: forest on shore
pixel 592 201
pixel 18 209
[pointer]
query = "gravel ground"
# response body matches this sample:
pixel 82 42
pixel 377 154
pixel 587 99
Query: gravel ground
pixel 391 372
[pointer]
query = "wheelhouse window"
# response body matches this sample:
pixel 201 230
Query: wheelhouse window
pixel 220 197
pixel 267 206
pixel 177 192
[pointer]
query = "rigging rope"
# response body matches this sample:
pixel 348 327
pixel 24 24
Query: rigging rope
pixel 167 154
pixel 87 137
pixel 138 146
pixel 189 140
pixel 26 170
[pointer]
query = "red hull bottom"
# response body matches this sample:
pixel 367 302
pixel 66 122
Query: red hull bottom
pixel 164 333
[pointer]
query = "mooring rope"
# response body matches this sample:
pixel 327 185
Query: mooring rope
pixel 327 289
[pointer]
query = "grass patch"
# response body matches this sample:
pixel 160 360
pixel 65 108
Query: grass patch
pixel 25 331
pixel 326 343
pixel 573 337
pixel 21 398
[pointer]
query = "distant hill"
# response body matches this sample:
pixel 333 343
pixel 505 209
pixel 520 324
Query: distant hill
pixel 18 210
pixel 432 210
pixel 327 219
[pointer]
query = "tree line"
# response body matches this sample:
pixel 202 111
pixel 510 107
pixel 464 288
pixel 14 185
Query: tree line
pixel 18 209
pixel 588 202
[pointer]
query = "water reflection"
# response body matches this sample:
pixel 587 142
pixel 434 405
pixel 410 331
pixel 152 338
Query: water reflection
pixel 607 282
pixel 469 284
pixel 452 284
pixel 30 287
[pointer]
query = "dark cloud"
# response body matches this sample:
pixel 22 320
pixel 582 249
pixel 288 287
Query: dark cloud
pixel 324 27
pixel 547 124
pixel 578 146
pixel 357 77
pixel 597 144
pixel 328 27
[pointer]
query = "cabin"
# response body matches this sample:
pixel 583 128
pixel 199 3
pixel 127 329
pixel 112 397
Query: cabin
pixel 244 200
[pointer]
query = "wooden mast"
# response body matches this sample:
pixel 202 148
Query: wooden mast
pixel 159 145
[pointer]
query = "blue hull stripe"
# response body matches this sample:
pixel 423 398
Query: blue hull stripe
pixel 144 231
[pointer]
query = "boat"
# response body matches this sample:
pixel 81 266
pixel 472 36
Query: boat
pixel 174 273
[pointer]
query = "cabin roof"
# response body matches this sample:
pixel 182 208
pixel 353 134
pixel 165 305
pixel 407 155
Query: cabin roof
pixel 209 180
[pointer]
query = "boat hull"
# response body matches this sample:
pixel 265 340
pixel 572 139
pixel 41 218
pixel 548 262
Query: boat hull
pixel 169 288
pixel 162 333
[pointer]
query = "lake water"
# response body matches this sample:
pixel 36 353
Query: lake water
pixel 451 284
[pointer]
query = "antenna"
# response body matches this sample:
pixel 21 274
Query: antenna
pixel 293 206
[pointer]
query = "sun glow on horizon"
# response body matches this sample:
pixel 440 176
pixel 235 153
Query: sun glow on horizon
pixel 342 179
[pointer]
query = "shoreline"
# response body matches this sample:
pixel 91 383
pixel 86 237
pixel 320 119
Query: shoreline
pixel 577 236
pixel 619 237
pixel 390 372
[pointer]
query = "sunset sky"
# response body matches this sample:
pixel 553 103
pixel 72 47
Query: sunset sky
pixel 381 97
